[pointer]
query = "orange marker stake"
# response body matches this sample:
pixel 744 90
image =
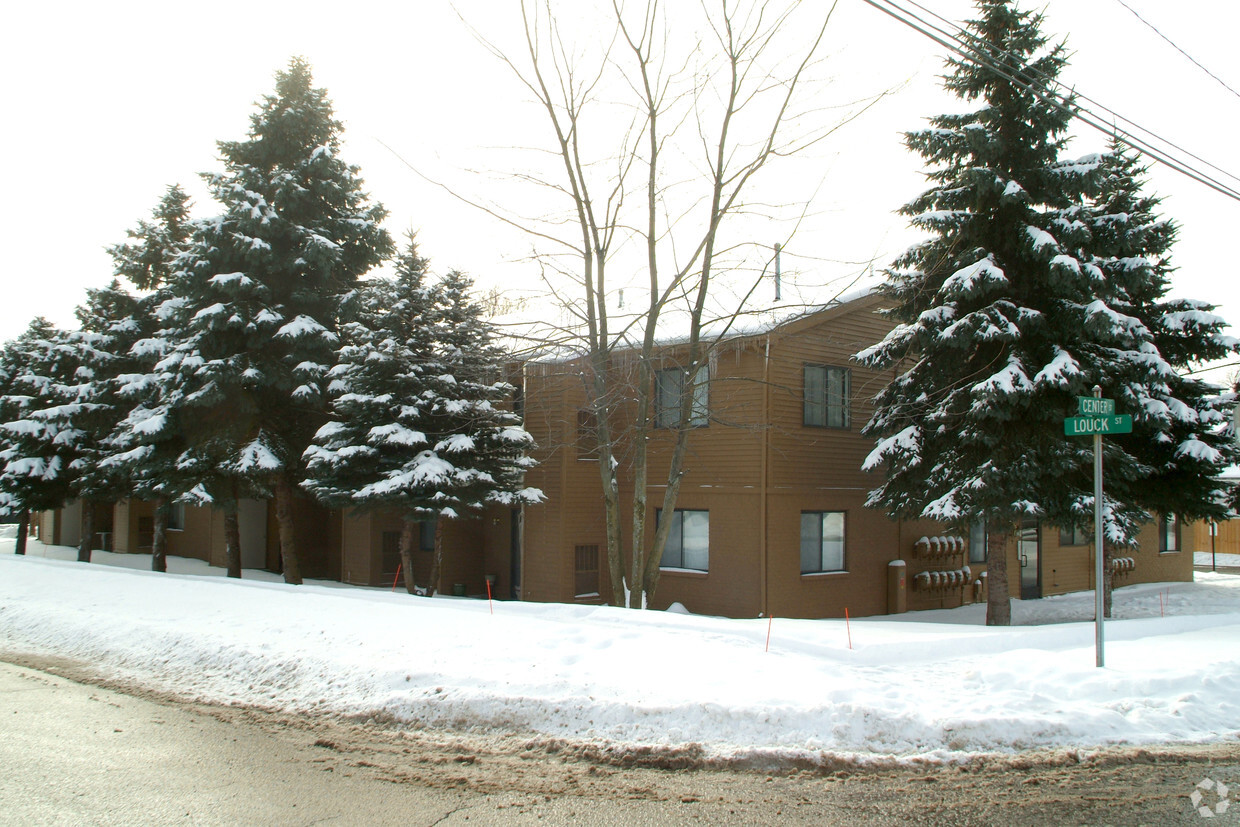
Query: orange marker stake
pixel 490 605
pixel 848 627
pixel 397 577
pixel 770 619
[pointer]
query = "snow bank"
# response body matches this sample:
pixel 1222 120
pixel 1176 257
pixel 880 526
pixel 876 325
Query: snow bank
pixel 933 684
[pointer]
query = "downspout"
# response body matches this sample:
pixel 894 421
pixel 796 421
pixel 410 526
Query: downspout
pixel 763 549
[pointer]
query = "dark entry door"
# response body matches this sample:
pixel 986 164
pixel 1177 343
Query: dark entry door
pixel 1030 561
pixel 514 547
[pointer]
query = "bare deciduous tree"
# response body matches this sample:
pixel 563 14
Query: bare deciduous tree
pixel 705 102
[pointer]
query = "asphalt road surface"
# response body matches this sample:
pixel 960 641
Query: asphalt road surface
pixel 81 753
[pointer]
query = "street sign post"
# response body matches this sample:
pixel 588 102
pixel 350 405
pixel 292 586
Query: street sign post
pixel 1096 417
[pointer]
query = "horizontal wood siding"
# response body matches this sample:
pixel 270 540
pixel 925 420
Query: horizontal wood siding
pixel 495 539
pixel 194 540
pixel 123 528
pixel 1065 568
pixel 1196 537
pixel 871 542
pixel 357 565
pixel 809 456
pixel 1155 567
pixel 923 596
pixel 731 585
pixel 727 452
pixel 553 395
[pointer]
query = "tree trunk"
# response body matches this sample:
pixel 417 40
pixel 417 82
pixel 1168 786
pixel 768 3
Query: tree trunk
pixel 1108 578
pixel 640 551
pixel 607 477
pixel 159 537
pixel 436 560
pixel 284 518
pixel 998 599
pixel 23 528
pixel 88 531
pixel 232 538
pixel 409 530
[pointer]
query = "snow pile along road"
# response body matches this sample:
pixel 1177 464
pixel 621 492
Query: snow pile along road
pixel 942 688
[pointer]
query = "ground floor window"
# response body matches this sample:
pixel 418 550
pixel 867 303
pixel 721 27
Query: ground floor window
pixel 1168 533
pixel 585 567
pixel 390 545
pixel 977 542
pixel 176 517
pixel 1074 536
pixel 688 540
pixel 822 541
pixel 426 535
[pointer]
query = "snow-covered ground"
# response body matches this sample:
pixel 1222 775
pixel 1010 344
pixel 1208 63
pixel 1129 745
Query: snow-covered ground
pixel 937 685
pixel 1204 558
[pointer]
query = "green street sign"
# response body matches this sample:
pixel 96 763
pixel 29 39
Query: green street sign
pixel 1093 406
pixel 1102 425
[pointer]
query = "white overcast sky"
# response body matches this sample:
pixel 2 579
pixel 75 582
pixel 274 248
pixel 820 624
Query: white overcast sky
pixel 108 103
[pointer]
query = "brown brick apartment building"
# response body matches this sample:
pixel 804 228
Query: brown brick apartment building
pixel 770 517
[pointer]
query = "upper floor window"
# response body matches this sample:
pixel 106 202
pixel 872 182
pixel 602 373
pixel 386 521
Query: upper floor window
pixel 688 540
pixel 826 396
pixel 587 435
pixel 669 387
pixel 1168 533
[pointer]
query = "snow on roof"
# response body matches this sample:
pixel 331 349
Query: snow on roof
pixel 549 340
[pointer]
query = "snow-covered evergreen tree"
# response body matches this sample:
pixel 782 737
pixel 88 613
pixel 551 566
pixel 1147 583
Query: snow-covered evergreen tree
pixel 20 490
pixel 255 299
pixel 111 322
pixel 1183 439
pixel 52 444
pixel 418 425
pixel 1010 310
pixel 149 446
pixel 149 259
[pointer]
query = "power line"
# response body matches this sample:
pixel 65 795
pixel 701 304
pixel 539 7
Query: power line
pixel 951 40
pixel 958 32
pixel 1177 48
pixel 1078 111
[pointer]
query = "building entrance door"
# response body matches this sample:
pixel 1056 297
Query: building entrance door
pixel 1027 548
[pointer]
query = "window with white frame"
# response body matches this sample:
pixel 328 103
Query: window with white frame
pixel 977 542
pixel 688 540
pixel 669 386
pixel 822 541
pixel 826 396
pixel 1168 533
